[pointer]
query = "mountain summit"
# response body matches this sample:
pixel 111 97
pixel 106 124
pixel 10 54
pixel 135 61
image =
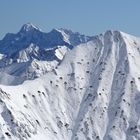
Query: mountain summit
pixel 29 27
pixel 90 91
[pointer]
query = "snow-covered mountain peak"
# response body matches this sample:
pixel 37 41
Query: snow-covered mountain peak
pixel 118 33
pixel 116 36
pixel 113 33
pixel 67 31
pixel 29 27
pixel 73 38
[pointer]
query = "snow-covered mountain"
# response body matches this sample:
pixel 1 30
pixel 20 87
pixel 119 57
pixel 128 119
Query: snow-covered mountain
pixel 93 94
pixel 31 53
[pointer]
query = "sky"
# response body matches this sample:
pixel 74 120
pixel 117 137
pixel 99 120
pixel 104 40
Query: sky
pixel 89 17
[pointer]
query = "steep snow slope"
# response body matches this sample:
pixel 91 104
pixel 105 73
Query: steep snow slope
pixel 94 94
pixel 22 53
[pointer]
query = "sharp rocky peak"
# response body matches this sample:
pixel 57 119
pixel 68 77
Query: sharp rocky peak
pixel 29 27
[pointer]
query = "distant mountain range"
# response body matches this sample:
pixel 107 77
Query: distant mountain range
pixel 31 53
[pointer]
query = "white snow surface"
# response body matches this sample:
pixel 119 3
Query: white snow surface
pixel 93 94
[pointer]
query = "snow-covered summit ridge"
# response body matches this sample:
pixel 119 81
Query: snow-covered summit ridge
pixel 29 27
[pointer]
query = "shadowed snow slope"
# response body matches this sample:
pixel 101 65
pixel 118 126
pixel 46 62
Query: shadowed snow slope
pixel 93 94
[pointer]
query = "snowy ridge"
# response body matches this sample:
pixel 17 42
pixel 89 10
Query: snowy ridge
pixel 93 94
pixel 28 27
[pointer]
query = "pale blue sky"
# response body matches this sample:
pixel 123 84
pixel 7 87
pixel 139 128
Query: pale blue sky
pixel 89 17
